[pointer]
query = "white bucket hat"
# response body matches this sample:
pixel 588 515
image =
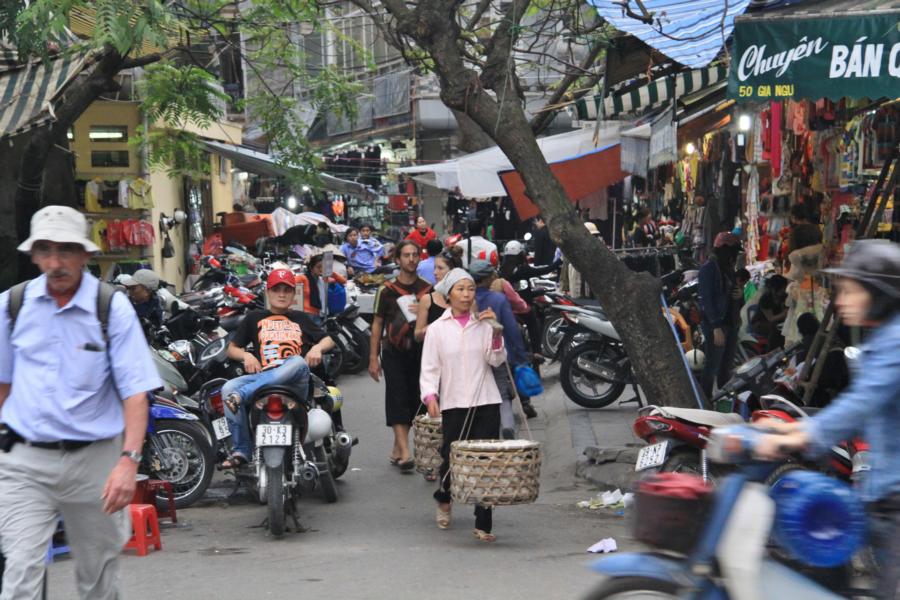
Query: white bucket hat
pixel 60 224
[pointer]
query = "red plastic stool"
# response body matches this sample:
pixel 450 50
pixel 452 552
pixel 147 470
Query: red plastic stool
pixel 145 528
pixel 153 486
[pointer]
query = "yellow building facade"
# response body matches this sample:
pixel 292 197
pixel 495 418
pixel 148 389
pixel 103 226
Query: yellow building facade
pixel 103 155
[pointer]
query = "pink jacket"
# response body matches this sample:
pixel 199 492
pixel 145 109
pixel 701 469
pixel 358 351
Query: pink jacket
pixel 457 361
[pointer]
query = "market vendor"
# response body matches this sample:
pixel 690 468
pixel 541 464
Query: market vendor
pixel 315 286
pixel 361 249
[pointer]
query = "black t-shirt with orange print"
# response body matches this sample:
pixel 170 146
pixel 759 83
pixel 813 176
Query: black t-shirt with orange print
pixel 277 337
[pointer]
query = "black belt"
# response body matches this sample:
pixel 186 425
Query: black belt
pixel 65 445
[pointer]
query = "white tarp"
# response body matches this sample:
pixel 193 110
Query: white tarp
pixel 476 174
pixel 283 219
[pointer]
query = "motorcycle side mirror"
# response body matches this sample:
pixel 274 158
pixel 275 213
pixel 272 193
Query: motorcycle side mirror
pixel 852 353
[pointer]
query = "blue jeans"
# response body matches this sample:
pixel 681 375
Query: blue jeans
pixel 294 372
pixel 719 359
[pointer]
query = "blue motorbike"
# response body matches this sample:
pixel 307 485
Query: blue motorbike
pixel 719 548
pixel 177 449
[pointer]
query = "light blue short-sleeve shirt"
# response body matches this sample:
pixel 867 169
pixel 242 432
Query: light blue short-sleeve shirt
pixel 59 370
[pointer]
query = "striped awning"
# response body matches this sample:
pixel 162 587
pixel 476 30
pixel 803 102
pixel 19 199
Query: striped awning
pixel 28 91
pixel 690 32
pixel 657 92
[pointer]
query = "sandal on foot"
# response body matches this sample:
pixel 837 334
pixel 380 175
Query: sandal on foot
pixel 442 518
pixel 394 461
pixel 407 465
pixel 430 476
pixel 484 536
pixel 235 461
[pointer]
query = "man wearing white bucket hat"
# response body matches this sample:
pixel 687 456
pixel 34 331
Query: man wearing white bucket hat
pixel 74 375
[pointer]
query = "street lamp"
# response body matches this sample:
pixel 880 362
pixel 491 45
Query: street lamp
pixel 292 202
pixel 689 148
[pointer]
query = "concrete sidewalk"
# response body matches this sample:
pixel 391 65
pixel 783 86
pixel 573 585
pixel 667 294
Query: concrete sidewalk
pixel 599 442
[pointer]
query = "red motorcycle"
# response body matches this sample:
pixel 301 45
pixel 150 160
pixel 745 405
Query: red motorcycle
pixel 677 437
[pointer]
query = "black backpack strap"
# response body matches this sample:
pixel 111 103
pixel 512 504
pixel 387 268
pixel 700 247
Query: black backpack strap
pixel 16 300
pixel 105 293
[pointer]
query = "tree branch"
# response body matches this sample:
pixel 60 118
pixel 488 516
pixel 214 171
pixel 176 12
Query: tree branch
pixel 142 61
pixel 542 119
pixel 482 7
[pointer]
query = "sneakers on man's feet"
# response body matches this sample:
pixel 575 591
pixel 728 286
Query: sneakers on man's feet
pixel 528 409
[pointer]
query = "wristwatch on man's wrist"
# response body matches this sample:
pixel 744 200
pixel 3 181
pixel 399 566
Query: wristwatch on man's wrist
pixel 133 455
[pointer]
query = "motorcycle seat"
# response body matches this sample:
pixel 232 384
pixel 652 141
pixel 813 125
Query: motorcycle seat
pixel 709 418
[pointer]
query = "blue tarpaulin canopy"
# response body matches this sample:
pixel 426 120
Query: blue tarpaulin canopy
pixel 690 32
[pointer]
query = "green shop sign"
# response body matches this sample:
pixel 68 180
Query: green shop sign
pixel 815 57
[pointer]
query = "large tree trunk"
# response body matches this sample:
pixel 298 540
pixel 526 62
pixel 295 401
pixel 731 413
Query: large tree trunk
pixel 631 300
pixel 36 172
pixel 472 137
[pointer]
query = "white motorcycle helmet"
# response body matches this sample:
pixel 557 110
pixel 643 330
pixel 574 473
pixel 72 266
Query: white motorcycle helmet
pixel 513 248
pixel 696 359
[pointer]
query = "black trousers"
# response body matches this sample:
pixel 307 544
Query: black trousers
pixel 485 425
pixel 401 384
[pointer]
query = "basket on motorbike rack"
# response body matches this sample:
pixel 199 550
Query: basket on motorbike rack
pixel 495 472
pixel 427 440
pixel 670 510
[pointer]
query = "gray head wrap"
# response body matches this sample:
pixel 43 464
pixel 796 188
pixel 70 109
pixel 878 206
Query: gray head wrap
pixel 450 279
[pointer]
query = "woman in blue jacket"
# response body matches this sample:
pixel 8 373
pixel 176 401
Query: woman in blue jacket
pixel 868 295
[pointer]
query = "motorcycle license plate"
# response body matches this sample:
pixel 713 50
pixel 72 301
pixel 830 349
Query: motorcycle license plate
pixel 220 427
pixel 651 456
pixel 273 435
pixel 360 323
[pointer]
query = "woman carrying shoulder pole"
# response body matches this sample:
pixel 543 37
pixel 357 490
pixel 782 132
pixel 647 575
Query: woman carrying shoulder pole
pixel 457 382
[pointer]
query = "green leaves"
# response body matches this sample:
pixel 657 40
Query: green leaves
pixel 180 95
pixel 176 99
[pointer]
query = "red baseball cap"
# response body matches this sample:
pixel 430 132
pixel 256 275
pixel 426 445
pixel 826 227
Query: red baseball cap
pixel 280 276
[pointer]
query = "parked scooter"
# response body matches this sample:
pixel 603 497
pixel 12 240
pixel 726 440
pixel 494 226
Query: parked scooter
pixel 350 333
pixel 725 557
pixel 677 437
pixel 177 449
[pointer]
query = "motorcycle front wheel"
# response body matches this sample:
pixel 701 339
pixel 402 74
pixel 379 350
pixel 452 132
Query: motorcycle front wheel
pixel 551 336
pixel 275 499
pixel 187 461
pixel 634 588
pixel 582 387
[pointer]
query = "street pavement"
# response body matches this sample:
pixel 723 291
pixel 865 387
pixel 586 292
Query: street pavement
pixel 380 540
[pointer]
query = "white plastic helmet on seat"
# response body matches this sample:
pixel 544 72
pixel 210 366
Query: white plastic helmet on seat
pixel 696 359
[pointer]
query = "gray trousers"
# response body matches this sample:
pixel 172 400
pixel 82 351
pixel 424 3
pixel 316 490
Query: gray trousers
pixel 36 488
pixel 504 385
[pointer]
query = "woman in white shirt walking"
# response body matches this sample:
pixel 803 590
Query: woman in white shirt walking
pixel 456 381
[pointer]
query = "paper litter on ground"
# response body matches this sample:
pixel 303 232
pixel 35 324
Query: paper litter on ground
pixel 608 499
pixel 604 546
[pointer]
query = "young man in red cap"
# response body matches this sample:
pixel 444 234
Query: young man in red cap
pixel 281 339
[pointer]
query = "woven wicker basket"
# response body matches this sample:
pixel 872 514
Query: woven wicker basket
pixel 495 472
pixel 427 441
